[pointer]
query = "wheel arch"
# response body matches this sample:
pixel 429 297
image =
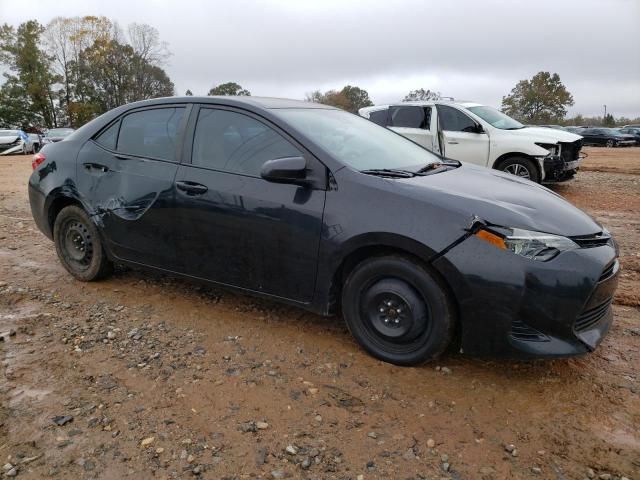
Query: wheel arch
pixel 57 201
pixel 507 156
pixel 380 244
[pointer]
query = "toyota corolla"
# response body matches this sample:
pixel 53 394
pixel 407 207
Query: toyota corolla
pixel 310 205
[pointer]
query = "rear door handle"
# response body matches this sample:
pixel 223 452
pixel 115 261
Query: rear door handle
pixel 96 167
pixel 452 142
pixel 191 188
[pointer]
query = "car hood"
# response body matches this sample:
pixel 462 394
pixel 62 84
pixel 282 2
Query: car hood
pixel 8 140
pixel 546 135
pixel 501 199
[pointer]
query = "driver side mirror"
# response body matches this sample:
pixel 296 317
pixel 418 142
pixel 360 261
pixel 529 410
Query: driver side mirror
pixel 285 170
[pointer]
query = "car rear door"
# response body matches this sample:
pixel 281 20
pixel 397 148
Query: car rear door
pixel 460 138
pixel 236 228
pixel 125 175
pixel 413 122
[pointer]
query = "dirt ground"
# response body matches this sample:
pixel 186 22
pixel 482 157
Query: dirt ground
pixel 152 377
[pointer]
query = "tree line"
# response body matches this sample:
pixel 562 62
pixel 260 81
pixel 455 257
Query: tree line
pixel 73 69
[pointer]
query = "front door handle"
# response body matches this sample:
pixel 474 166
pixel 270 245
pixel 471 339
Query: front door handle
pixel 452 142
pixel 95 167
pixel 191 188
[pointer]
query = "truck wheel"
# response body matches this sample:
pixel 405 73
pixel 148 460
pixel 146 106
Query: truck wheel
pixel 521 167
pixel 397 310
pixel 78 245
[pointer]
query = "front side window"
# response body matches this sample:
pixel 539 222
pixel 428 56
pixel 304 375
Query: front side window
pixel 453 120
pixel 236 143
pixel 151 133
pixel 410 116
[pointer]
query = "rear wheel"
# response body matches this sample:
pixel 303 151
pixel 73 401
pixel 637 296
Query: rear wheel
pixel 521 167
pixel 78 245
pixel 397 310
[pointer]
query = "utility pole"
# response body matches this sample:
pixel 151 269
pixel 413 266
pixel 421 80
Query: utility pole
pixel 605 111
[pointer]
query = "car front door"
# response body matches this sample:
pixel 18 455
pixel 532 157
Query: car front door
pixel 461 138
pixel 125 175
pixel 413 122
pixel 235 227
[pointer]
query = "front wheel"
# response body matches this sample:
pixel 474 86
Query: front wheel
pixel 397 310
pixel 611 143
pixel 78 245
pixel 521 167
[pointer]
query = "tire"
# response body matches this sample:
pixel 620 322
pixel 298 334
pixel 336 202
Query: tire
pixel 397 310
pixel 521 167
pixel 611 143
pixel 78 245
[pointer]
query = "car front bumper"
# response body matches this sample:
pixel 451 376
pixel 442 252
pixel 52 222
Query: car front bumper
pixel 556 169
pixel 11 150
pixel 511 306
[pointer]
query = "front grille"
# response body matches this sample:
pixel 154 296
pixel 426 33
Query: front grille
pixel 589 318
pixel 590 241
pixel 522 331
pixel 570 151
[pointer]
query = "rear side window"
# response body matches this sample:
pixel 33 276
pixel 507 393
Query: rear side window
pixel 109 137
pixel 410 117
pixel 379 117
pixel 453 120
pixel 151 133
pixel 236 143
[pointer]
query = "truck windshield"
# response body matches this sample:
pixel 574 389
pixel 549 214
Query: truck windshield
pixel 357 142
pixel 496 118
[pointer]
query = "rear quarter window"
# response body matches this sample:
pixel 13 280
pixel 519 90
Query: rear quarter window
pixel 151 133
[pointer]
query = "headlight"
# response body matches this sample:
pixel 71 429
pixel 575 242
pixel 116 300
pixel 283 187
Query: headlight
pixel 526 243
pixel 552 148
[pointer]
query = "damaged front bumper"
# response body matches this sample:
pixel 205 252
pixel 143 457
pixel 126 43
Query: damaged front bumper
pixel 556 169
pixel 516 307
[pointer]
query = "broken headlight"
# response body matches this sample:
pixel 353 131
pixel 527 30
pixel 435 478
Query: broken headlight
pixel 526 243
pixel 552 148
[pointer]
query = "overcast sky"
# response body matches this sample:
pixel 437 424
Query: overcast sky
pixel 474 50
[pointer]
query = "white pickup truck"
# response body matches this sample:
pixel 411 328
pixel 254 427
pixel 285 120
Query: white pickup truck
pixel 474 133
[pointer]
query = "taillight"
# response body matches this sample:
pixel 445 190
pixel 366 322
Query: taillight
pixel 38 158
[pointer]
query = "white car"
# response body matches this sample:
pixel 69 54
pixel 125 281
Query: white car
pixel 475 133
pixel 14 142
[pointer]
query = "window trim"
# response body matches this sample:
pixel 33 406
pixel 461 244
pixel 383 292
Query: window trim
pixel 312 162
pixel 180 132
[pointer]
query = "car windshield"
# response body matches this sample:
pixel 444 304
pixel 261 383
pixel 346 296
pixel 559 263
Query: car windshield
pixel 8 133
pixel 496 118
pixel 357 142
pixel 59 132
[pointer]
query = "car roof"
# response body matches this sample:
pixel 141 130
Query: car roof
pixel 262 102
pixel 421 103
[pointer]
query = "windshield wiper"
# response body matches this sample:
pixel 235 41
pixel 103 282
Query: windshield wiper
pixel 430 166
pixel 389 172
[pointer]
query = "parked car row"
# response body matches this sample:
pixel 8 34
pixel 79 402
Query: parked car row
pixel 475 133
pixel 313 206
pixel 14 142
pixel 607 137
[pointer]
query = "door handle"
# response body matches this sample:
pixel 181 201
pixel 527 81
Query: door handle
pixel 192 188
pixel 95 166
pixel 452 142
